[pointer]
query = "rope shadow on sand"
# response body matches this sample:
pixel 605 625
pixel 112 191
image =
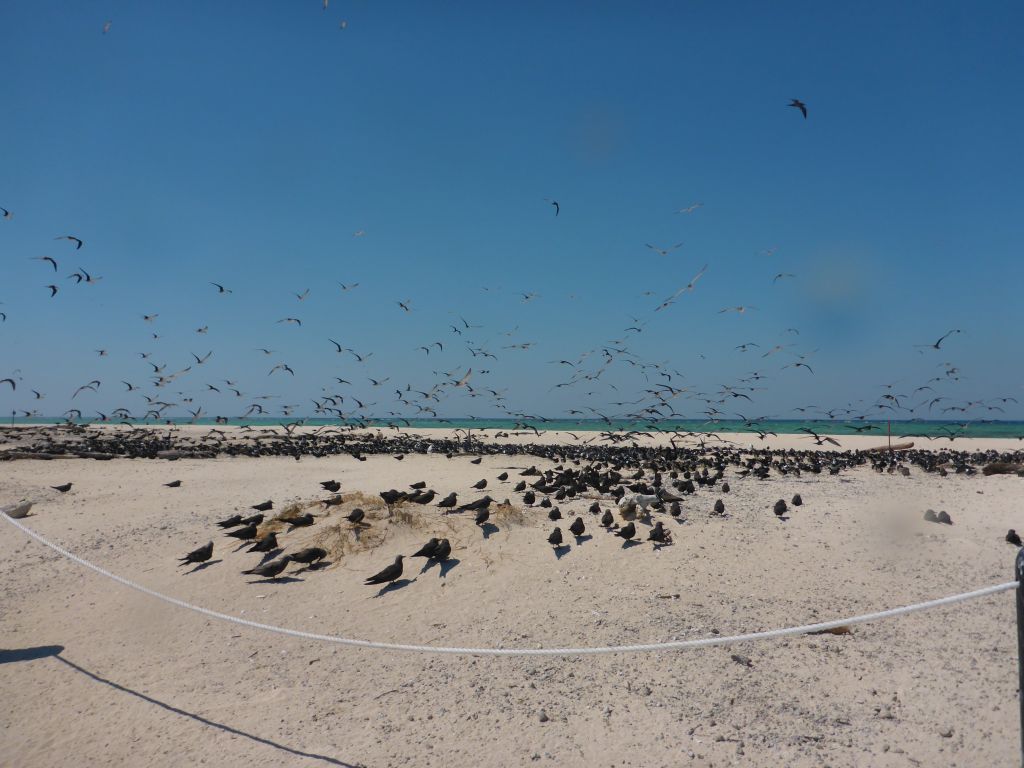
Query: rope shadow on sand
pixel 203 720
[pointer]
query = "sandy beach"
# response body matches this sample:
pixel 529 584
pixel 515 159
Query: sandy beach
pixel 136 681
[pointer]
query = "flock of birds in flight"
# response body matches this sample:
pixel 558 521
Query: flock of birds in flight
pixel 655 408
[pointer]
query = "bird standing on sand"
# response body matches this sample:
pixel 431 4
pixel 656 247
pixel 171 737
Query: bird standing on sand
pixel 627 531
pixel 427 550
pixel 555 538
pixel 309 555
pixel 388 575
pixel 355 516
pixel 444 549
pixel 265 544
pixel 578 527
pixel 272 569
pixel 231 522
pixel 1013 538
pixel 482 516
pixel 245 534
pixel 607 519
pixel 266 506
pixel 173 484
pixel 62 488
pixel 200 555
pixel 658 534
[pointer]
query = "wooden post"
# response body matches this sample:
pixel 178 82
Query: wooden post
pixel 1018 575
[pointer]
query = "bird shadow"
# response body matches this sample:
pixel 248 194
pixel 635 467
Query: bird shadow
pixel 202 720
pixel 583 538
pixel 242 546
pixel 393 586
pixel 319 565
pixel 447 565
pixel 659 544
pixel 561 551
pixel 9 655
pixel 630 543
pixel 488 529
pixel 202 566
pixel 278 580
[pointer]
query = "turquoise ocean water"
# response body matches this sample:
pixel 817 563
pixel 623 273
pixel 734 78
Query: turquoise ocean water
pixel 933 429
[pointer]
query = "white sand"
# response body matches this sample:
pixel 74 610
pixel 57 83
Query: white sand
pixel 157 686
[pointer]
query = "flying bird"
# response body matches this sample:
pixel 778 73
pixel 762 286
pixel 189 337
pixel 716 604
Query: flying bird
pixel 71 238
pixel 49 259
pixel 690 208
pixel 797 104
pixel 220 288
pixel 938 344
pixel 664 251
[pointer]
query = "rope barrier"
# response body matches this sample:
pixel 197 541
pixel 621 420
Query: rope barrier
pixel 675 645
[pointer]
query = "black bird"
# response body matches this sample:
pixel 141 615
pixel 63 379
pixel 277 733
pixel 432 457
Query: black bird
pixel 444 549
pixel 231 522
pixel 389 574
pixel 943 517
pixel 719 507
pixel 477 460
pixel 202 554
pixel 797 501
pixel 725 488
pixel 555 514
pixel 355 516
pixel 780 508
pixel 418 486
pixel 299 521
pixel 448 501
pixel 658 534
pixel 391 497
pixel 481 484
pixel 173 484
pixel 1013 538
pixel 555 538
pixel 309 555
pixel 595 508
pixel 503 476
pixel 798 105
pixel 331 486
pixel 520 486
pixel 265 544
pixel 577 528
pixel 477 505
pixel 252 519
pixel 607 519
pixel 246 534
pixel 421 497
pixel 529 498
pixel 62 488
pixel 428 549
pixel 272 569
pixel 675 510
pixel 266 506
pixel 482 516
pixel 627 532
pixel 334 501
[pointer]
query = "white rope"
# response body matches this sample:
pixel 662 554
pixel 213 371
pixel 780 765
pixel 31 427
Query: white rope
pixel 669 646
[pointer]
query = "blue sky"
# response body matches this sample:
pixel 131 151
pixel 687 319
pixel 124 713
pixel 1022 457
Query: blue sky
pixel 245 143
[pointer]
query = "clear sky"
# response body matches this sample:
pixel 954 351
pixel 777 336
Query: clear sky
pixel 246 142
